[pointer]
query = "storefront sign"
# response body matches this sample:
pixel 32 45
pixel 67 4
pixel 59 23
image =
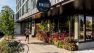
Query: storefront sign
pixel 43 5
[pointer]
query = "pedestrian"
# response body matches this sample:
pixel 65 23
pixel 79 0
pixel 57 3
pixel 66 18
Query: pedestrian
pixel 27 32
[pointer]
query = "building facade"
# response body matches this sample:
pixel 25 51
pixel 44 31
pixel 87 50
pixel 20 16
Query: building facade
pixel 74 19
pixel 16 27
pixel 26 8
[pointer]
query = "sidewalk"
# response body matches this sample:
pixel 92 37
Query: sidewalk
pixel 37 46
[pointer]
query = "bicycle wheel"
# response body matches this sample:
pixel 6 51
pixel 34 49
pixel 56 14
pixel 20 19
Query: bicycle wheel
pixel 23 48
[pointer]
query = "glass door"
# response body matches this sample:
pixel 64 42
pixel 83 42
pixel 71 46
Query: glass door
pixel 88 27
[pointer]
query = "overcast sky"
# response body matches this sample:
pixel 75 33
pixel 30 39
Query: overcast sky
pixel 10 3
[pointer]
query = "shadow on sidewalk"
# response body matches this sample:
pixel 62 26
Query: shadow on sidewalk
pixel 40 43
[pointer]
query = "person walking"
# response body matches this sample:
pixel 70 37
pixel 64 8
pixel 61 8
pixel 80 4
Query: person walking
pixel 27 32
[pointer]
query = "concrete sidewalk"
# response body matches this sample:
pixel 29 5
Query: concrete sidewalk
pixel 37 46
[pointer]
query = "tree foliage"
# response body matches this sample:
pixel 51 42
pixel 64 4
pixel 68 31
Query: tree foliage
pixel 6 20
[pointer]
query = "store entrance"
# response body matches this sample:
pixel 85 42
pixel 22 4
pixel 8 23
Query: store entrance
pixel 88 22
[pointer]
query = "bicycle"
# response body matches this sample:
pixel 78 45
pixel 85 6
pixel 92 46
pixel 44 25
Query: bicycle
pixel 15 47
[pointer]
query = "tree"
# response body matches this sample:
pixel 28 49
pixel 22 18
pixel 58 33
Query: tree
pixel 7 20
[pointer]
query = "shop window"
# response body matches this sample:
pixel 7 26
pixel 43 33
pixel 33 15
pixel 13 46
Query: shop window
pixel 88 22
pixel 81 27
pixel 89 34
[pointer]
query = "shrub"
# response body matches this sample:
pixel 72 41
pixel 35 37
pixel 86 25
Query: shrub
pixel 3 43
pixel 55 38
pixel 9 47
pixel 69 40
pixel 70 44
pixel 60 44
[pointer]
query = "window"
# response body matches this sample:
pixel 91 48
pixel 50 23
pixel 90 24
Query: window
pixel 88 28
pixel 22 10
pixel 25 8
pixel 18 6
pixel 29 5
pixel 17 16
pixel 53 2
pixel 19 13
pixel 23 0
pixel 34 3
pixel 81 23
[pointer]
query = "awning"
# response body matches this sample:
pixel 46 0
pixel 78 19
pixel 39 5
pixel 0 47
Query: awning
pixel 24 20
pixel 29 18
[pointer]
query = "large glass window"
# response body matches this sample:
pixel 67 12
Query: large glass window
pixel 22 10
pixel 34 3
pixel 23 0
pixel 17 16
pixel 81 23
pixel 89 28
pixel 85 24
pixel 29 5
pixel 20 3
pixel 19 13
pixel 25 8
pixel 53 2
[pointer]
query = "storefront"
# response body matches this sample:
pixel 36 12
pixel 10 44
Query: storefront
pixel 64 17
pixel 76 21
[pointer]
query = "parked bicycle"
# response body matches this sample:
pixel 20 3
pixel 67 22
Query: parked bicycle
pixel 15 47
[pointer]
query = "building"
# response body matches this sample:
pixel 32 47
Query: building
pixel 72 16
pixel 24 11
pixel 16 27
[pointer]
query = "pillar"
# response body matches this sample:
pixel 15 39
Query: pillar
pixel 76 28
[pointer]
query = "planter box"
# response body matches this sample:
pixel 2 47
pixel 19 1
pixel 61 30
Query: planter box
pixel 86 45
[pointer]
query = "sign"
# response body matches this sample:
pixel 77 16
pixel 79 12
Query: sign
pixel 43 5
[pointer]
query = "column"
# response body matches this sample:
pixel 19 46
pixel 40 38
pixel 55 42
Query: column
pixel 76 28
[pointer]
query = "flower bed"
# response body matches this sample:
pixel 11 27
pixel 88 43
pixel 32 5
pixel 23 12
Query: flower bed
pixel 70 44
pixel 60 40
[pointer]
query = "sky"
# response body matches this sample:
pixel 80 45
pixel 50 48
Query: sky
pixel 10 3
